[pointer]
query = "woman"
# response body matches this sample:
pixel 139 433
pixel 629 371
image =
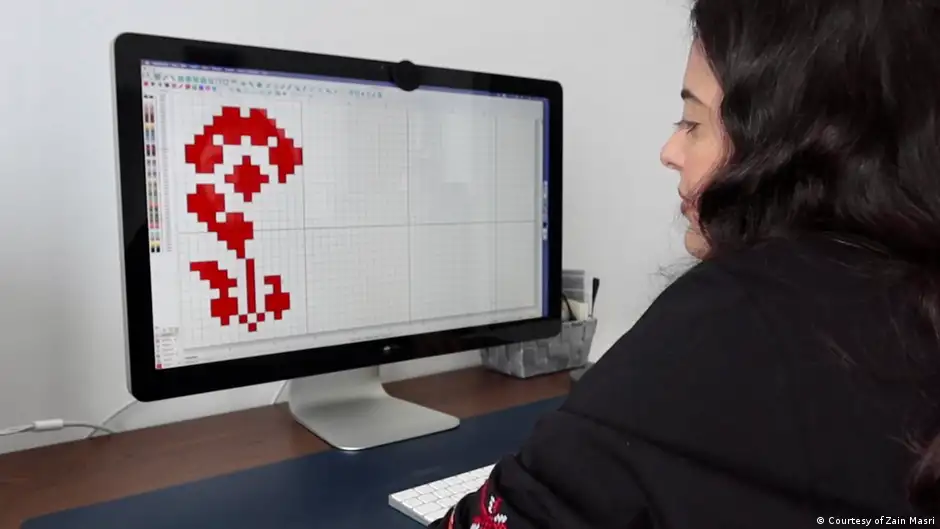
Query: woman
pixel 790 379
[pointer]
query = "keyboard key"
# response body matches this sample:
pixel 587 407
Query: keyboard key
pixel 406 494
pixel 427 498
pixel 427 508
pixel 434 516
pixel 423 489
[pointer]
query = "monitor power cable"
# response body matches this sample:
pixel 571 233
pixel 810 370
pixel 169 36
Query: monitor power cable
pixel 51 425
pixel 280 391
pixel 110 418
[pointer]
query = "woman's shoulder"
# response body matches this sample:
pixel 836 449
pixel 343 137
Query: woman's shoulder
pixel 740 362
pixel 736 318
pixel 750 320
pixel 814 272
pixel 804 257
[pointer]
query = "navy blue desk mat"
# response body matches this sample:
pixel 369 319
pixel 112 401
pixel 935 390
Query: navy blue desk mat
pixel 335 490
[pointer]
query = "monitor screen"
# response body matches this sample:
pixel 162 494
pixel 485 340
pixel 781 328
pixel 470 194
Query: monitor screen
pixel 290 212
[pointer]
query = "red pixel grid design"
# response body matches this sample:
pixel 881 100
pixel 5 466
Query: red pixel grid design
pixel 232 228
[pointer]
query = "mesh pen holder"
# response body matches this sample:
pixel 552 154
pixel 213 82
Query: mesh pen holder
pixel 566 350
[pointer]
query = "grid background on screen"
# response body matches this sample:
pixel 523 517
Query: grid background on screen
pixel 517 198
pixel 452 270
pixel 515 259
pixel 357 166
pixel 357 277
pixel 452 174
pixel 399 214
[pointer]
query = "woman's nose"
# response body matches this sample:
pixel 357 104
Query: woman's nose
pixel 670 155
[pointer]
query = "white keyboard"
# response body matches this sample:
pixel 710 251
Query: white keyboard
pixel 431 501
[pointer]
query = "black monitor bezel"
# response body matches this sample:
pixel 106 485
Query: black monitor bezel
pixel 145 382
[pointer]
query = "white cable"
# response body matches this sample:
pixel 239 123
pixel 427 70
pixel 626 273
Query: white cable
pixel 13 430
pixel 51 425
pixel 48 425
pixel 94 427
pixel 111 417
pixel 279 391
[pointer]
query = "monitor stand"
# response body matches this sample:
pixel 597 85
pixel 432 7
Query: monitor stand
pixel 350 410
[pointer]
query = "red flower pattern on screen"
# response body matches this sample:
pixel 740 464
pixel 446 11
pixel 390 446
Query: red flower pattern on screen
pixel 233 229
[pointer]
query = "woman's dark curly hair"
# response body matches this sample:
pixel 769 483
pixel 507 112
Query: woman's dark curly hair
pixel 832 115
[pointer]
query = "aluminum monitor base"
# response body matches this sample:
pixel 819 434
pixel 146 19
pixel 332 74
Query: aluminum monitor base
pixel 350 410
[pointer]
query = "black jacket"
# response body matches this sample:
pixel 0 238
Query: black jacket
pixel 772 388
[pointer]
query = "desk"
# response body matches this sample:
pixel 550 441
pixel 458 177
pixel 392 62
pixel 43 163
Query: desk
pixel 49 479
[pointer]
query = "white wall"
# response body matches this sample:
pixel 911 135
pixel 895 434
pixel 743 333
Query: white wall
pixel 61 341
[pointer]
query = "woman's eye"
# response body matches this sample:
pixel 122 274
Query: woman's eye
pixel 686 125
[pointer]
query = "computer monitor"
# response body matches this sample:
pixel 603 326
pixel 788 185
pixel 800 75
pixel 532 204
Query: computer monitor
pixel 308 217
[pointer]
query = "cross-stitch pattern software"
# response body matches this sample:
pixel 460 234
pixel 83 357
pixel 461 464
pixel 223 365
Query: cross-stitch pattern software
pixel 292 212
